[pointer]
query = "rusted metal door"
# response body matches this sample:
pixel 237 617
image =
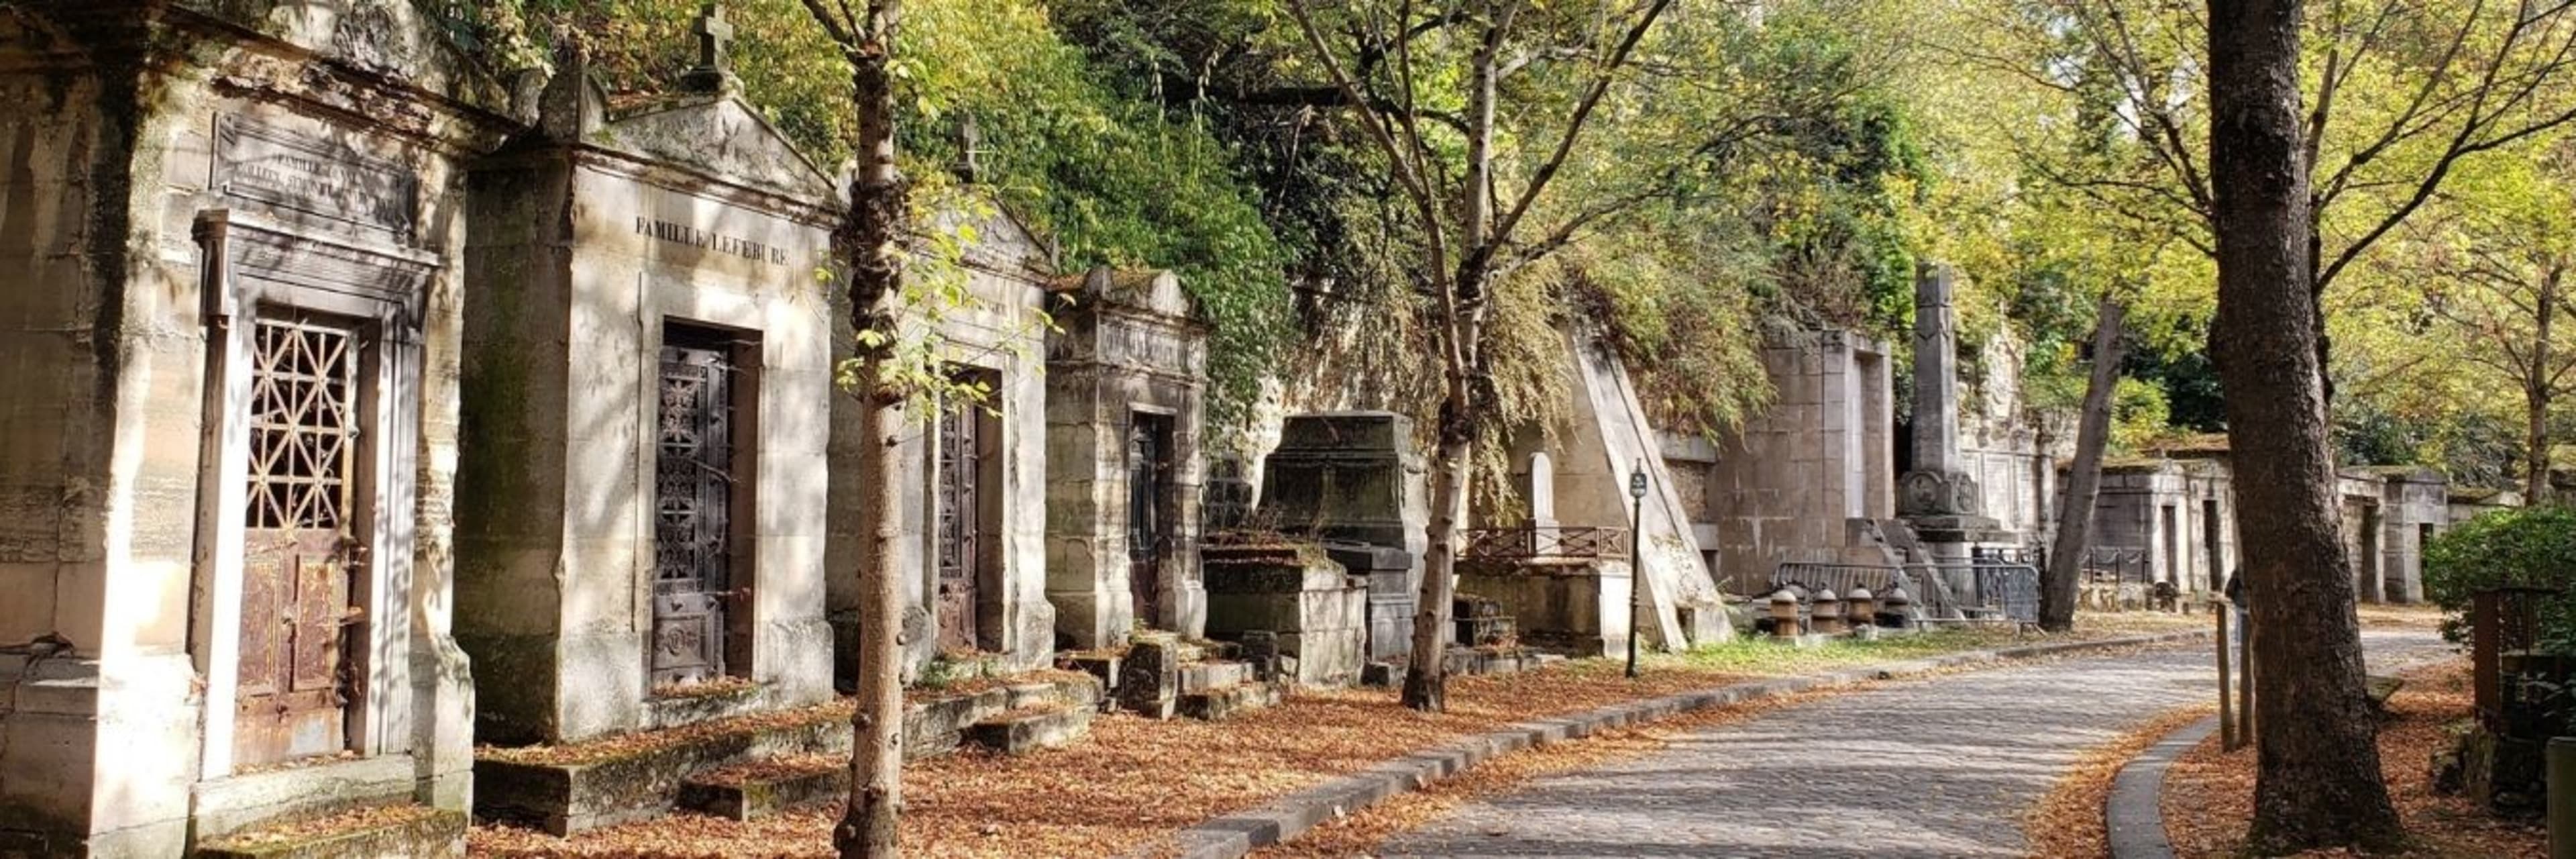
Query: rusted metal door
pixel 300 624
pixel 693 500
pixel 1149 471
pixel 961 502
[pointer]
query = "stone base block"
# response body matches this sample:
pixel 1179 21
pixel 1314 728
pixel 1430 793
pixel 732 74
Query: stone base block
pixel 1207 676
pixel 1023 731
pixel 1382 675
pixel 1578 608
pixel 389 833
pixel 1220 704
pixel 766 790
pixel 1485 660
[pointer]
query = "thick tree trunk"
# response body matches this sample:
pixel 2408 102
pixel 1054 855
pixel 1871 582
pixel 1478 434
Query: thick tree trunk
pixel 2084 476
pixel 2318 779
pixel 873 243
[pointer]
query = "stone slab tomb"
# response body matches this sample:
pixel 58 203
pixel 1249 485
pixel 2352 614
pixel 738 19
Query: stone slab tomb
pixel 1306 603
pixel 230 301
pixel 1357 479
pixel 1126 380
pixel 641 530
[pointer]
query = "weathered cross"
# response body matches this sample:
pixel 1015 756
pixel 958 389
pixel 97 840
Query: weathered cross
pixel 714 33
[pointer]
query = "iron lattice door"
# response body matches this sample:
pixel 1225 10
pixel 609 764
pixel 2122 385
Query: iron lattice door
pixel 693 500
pixel 961 467
pixel 301 554
pixel 1148 532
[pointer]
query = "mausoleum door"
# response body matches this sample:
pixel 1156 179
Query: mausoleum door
pixel 961 470
pixel 1149 538
pixel 303 564
pixel 693 503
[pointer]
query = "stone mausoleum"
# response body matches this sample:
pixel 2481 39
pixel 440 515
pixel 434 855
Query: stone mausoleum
pixel 1810 479
pixel 232 293
pixel 973 477
pixel 641 541
pixel 1126 379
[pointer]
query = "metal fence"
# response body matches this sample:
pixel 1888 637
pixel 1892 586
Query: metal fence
pixel 2105 565
pixel 1531 542
pixel 2504 627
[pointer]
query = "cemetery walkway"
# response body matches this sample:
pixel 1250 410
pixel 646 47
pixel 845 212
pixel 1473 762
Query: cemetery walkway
pixel 1941 766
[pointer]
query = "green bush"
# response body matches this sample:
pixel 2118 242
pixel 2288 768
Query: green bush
pixel 2529 547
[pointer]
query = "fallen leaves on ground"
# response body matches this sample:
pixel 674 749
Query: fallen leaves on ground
pixel 2069 822
pixel 2209 794
pixel 1133 781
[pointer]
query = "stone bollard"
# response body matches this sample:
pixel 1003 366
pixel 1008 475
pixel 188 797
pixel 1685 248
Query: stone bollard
pixel 1784 615
pixel 1898 606
pixel 1861 607
pixel 1827 616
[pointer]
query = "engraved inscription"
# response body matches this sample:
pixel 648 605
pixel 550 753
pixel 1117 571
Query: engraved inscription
pixel 683 234
pixel 260 162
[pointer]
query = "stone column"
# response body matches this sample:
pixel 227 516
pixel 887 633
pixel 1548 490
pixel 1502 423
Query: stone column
pixel 1938 498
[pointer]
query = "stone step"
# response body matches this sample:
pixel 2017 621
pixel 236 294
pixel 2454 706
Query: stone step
pixel 1218 705
pixel 763 788
pixel 1209 676
pixel 1020 732
pixel 391 832
pixel 569 789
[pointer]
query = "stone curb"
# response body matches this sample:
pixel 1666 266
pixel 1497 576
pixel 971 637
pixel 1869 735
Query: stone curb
pixel 1238 834
pixel 2134 812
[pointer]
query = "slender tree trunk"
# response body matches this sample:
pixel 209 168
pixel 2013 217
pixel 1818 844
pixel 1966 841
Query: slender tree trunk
pixel 2084 476
pixel 2318 781
pixel 2536 390
pixel 873 242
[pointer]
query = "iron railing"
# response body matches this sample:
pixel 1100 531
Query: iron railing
pixel 2504 623
pixel 1531 542
pixel 2106 565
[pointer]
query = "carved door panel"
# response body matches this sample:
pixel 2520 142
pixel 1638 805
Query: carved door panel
pixel 961 469
pixel 693 500
pixel 300 622
pixel 1149 479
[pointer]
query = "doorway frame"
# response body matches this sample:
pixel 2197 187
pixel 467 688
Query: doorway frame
pixel 249 263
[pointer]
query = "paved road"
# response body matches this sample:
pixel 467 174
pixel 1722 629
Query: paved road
pixel 1933 767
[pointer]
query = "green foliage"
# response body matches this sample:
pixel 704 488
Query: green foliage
pixel 2527 547
pixel 2138 414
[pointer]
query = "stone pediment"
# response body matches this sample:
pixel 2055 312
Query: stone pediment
pixel 720 136
pixel 1155 292
pixel 389 38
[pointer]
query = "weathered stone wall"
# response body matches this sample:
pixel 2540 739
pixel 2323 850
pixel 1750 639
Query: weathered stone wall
pixel 2007 448
pixel 2412 505
pixel 1130 344
pixel 116 147
pixel 1000 331
pixel 606 238
pixel 1609 438
pixel 1794 481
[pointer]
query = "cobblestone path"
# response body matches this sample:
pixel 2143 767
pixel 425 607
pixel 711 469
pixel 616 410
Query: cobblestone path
pixel 1938 767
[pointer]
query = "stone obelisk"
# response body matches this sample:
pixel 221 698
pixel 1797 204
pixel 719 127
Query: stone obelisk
pixel 1938 497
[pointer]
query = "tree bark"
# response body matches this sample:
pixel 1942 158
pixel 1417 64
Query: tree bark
pixel 2084 476
pixel 2318 780
pixel 873 241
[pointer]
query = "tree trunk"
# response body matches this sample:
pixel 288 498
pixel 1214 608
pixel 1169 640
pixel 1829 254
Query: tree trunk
pixel 2536 390
pixel 2318 780
pixel 873 243
pixel 1426 684
pixel 2084 476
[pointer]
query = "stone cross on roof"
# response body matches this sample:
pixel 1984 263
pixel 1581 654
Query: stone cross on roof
pixel 715 37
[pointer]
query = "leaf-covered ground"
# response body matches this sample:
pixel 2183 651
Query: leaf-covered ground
pixel 2209 794
pixel 1135 781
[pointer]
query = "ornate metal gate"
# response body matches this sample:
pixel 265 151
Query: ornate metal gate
pixel 961 469
pixel 1149 538
pixel 693 498
pixel 300 624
